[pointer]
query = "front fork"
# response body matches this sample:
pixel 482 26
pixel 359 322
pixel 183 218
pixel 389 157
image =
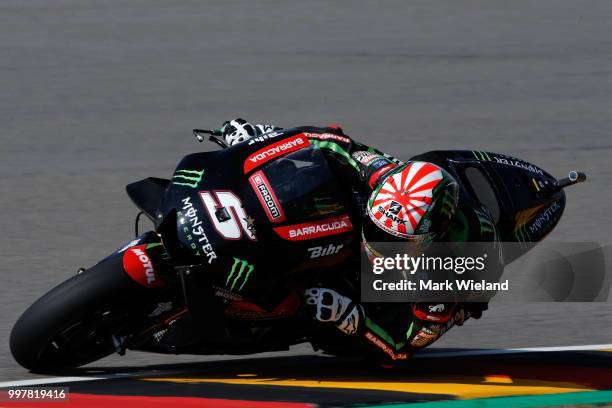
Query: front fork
pixel 147 263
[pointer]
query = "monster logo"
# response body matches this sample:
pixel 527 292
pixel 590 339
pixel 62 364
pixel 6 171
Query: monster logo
pixel 239 267
pixel 189 178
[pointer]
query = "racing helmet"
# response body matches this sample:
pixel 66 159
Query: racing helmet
pixel 413 203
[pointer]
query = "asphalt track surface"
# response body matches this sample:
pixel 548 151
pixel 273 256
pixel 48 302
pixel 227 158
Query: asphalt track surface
pixel 516 378
pixel 93 96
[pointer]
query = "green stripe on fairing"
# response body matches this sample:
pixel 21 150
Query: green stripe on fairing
pixel 322 144
pixel 186 175
pixel 194 172
pixel 522 235
pixel 526 231
pixel 483 156
pixel 517 234
pixel 243 266
pixel 528 401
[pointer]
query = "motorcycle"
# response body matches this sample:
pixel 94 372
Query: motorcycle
pixel 238 233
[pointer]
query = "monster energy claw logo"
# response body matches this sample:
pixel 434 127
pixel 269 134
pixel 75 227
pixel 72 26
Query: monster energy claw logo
pixel 237 272
pixel 447 208
pixel 486 225
pixel 190 178
pixel 483 156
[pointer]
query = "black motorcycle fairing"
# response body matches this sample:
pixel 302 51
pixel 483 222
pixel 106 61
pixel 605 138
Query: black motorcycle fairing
pixel 517 194
pixel 151 245
pixel 213 215
pixel 147 195
pixel 305 187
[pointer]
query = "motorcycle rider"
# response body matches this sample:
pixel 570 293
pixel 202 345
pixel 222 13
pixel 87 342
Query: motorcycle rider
pixel 417 202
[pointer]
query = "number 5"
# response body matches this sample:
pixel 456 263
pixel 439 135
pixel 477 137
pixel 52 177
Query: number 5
pixel 235 220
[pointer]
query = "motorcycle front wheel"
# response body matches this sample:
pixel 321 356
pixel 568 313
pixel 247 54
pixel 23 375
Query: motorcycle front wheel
pixel 74 323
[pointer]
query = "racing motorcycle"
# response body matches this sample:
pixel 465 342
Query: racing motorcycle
pixel 237 234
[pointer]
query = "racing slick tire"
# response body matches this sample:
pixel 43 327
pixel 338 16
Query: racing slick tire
pixel 73 324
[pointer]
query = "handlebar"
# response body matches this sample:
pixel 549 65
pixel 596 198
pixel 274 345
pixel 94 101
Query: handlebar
pixel 215 136
pixel 574 177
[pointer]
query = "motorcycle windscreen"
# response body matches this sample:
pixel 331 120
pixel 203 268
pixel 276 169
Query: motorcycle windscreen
pixel 305 186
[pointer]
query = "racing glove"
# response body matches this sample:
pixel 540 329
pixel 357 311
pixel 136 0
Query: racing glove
pixel 238 130
pixel 332 307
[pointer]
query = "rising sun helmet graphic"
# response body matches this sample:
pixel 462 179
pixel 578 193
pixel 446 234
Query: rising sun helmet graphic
pixel 415 203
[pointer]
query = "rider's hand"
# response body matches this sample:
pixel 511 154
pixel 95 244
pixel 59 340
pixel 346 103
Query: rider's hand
pixel 237 131
pixel 332 307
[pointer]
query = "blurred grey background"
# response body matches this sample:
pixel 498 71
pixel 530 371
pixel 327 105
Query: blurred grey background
pixel 94 95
